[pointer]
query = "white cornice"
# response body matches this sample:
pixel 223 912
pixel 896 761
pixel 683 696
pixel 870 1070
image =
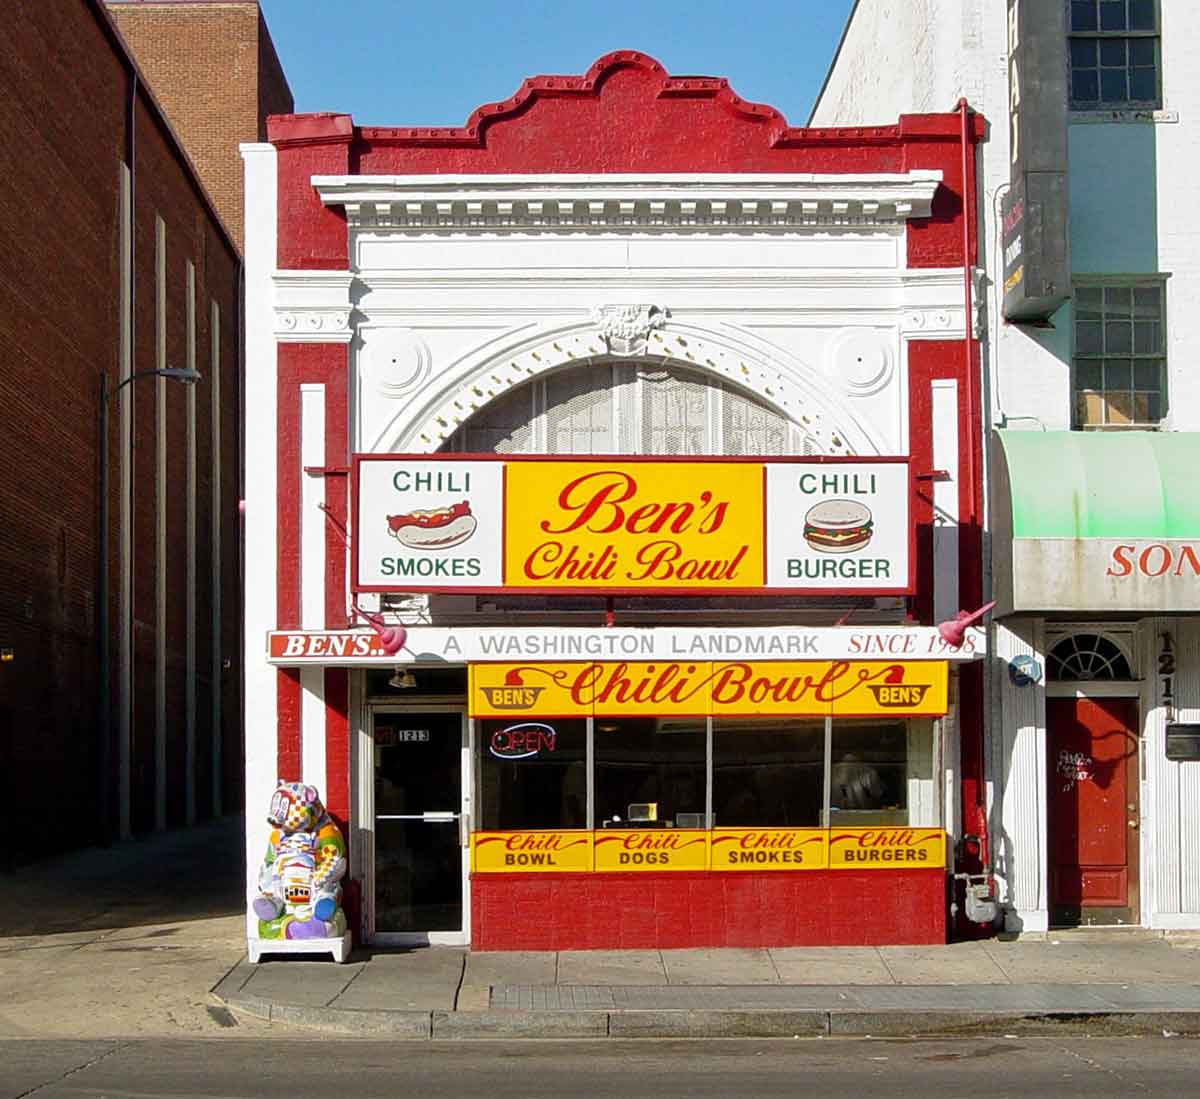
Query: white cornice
pixel 622 202
pixel 313 306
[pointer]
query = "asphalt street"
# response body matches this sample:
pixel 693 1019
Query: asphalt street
pixel 830 1068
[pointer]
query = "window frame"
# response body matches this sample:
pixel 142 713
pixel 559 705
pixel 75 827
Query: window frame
pixel 1099 36
pixel 1157 281
pixel 935 809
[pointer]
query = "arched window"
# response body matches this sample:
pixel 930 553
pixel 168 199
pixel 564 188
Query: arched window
pixel 1087 656
pixel 624 408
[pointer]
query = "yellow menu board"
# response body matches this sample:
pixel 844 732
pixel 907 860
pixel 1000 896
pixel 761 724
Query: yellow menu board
pixel 768 849
pixel 887 848
pixel 722 849
pixel 651 849
pixel 531 852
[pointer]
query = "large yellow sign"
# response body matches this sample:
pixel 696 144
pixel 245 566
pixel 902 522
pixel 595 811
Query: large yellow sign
pixel 722 849
pixel 720 525
pixel 842 688
pixel 633 524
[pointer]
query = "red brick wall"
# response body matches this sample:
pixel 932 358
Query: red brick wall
pixel 213 68
pixel 62 143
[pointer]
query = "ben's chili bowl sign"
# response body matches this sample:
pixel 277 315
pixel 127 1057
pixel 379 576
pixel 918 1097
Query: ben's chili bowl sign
pixel 913 688
pixel 531 852
pixel 704 525
pixel 645 524
pixel 659 849
pixel 768 849
pixel 887 848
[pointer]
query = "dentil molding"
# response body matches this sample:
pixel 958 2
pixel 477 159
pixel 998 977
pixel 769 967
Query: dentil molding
pixel 628 202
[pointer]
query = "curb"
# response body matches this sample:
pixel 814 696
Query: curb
pixel 458 1025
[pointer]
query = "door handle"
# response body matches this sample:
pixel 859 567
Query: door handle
pixel 464 830
pixel 1133 824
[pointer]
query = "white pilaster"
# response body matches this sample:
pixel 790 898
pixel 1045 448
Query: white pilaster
pixel 946 603
pixel 261 711
pixel 1019 843
pixel 312 496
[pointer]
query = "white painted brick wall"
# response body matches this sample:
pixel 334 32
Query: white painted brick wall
pixel 921 56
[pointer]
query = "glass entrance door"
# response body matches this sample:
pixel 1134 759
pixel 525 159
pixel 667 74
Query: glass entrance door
pixel 419 852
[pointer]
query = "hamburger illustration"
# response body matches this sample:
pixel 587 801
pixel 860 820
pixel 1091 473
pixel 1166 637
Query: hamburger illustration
pixel 838 526
pixel 438 528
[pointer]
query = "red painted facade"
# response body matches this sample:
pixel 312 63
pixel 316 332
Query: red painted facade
pixel 680 910
pixel 627 115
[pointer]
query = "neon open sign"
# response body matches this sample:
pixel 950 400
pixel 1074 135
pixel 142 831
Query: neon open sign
pixel 522 741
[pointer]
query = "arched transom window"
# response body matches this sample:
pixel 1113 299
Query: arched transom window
pixel 624 408
pixel 1087 656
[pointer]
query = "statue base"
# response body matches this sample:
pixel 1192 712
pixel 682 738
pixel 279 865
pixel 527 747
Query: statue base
pixel 338 947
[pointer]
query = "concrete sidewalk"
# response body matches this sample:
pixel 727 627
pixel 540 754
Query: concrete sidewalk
pixel 148 939
pixel 1125 984
pixel 125 941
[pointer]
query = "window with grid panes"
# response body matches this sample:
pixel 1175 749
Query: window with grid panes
pixel 611 408
pixel 1114 54
pixel 1119 357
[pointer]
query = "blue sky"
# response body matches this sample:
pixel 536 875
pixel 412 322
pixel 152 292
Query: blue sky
pixel 392 63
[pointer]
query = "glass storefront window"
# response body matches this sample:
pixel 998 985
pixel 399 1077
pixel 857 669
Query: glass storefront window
pixel 768 773
pixel 647 761
pixel 533 774
pixel 873 765
pixel 765 773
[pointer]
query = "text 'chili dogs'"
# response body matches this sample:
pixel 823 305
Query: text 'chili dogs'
pixel 435 529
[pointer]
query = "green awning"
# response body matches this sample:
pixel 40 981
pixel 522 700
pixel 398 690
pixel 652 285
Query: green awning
pixel 1092 521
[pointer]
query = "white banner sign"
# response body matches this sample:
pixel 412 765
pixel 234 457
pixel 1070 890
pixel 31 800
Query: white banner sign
pixel 461 645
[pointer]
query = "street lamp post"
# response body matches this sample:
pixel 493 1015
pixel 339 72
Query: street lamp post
pixel 189 377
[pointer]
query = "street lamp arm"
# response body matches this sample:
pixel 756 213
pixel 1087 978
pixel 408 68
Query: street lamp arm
pixel 179 373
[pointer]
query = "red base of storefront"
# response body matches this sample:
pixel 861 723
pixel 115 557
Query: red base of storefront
pixel 677 910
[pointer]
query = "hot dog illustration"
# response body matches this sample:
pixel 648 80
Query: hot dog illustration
pixel 435 529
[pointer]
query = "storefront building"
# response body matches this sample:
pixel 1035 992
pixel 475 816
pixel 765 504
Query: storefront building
pixel 615 459
pixel 1098 568
pixel 1093 759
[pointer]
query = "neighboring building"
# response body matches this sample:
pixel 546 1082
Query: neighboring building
pixel 742 696
pixel 115 264
pixel 1095 405
pixel 214 69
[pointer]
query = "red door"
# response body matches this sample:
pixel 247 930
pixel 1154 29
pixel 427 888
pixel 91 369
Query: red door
pixel 1093 818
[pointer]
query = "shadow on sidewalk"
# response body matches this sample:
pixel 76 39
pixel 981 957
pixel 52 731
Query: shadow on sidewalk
pixel 170 877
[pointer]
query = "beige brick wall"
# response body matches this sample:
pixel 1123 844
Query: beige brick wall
pixel 214 69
